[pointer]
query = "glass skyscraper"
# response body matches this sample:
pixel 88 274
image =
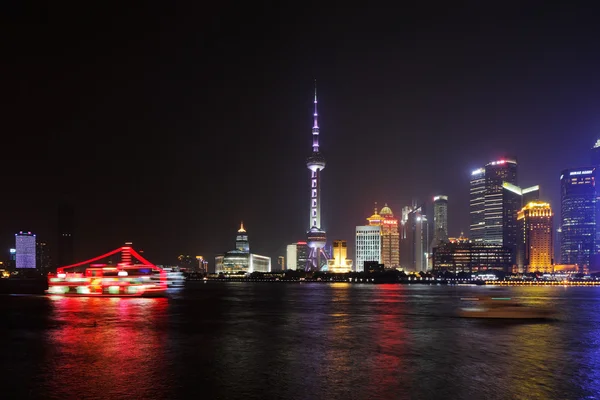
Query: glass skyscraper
pixel 487 201
pixel 477 205
pixel 578 215
pixel 496 173
pixel 440 220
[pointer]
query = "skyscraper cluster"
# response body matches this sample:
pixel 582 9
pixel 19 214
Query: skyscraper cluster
pixel 511 227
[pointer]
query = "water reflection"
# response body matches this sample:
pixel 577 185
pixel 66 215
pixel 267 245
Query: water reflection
pixel 388 376
pixel 298 341
pixel 105 348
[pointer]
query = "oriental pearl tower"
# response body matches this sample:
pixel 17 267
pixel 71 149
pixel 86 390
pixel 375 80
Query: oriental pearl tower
pixel 316 237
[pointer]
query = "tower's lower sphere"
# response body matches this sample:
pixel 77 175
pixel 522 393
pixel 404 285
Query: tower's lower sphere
pixel 316 238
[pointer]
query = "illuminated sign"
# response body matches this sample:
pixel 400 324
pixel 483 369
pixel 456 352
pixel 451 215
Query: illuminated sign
pixel 13 251
pixel 390 222
pixel 478 171
pixel 501 162
pixel 436 198
pixel 585 172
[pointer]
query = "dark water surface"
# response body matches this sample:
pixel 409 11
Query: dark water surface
pixel 298 341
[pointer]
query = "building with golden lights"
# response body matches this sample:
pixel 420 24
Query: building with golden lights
pixel 535 246
pixel 387 250
pixel 339 263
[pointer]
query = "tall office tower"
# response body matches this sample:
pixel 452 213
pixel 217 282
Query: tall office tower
pixel 302 252
pixel 281 263
pixel 65 235
pixel 338 262
pixel 535 247
pixel 316 236
pixel 513 200
pixel 477 205
pixel 578 215
pixel 440 220
pixel 390 239
pixel 496 173
pixel 368 245
pixel 42 256
pixel 415 239
pixel 406 248
pixel 25 249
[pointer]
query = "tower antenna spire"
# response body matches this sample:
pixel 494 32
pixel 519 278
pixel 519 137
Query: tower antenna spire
pixel 315 129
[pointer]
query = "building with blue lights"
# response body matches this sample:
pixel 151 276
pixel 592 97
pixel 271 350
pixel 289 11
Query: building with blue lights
pixel 578 216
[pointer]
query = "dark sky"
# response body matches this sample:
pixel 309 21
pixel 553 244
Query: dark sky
pixel 167 124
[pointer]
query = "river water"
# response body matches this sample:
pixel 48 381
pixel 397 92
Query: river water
pixel 298 341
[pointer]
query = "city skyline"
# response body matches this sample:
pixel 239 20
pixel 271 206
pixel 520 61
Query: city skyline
pixel 157 153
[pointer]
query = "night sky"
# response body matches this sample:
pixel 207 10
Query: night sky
pixel 166 125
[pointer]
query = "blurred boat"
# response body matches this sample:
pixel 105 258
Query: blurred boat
pixel 504 308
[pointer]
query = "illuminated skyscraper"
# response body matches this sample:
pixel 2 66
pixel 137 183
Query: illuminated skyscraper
pixel 535 247
pixel 25 250
pixel 490 214
pixel 415 239
pixel 496 173
pixel 390 238
pixel 477 205
pixel 578 215
pixel 513 200
pixel 440 220
pixel 316 236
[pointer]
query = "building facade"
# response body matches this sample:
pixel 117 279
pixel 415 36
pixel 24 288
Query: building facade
pixel 578 216
pixel 339 263
pixel 390 238
pixel 368 245
pixel 415 239
pixel 536 246
pixel 466 256
pixel 496 173
pixel 25 245
pixel 477 205
pixel 240 260
pixel 440 219
pixel 514 199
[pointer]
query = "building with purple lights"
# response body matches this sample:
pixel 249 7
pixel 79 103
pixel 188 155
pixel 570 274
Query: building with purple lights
pixel 25 250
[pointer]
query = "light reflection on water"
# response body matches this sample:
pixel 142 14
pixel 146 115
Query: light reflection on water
pixel 309 341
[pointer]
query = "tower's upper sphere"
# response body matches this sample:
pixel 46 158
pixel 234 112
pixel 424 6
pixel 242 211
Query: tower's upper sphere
pixel 315 161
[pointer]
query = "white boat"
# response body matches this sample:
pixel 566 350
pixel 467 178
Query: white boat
pixel 175 278
pixel 503 308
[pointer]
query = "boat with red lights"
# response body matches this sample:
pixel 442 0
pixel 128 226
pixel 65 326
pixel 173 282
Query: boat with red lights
pixel 124 279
